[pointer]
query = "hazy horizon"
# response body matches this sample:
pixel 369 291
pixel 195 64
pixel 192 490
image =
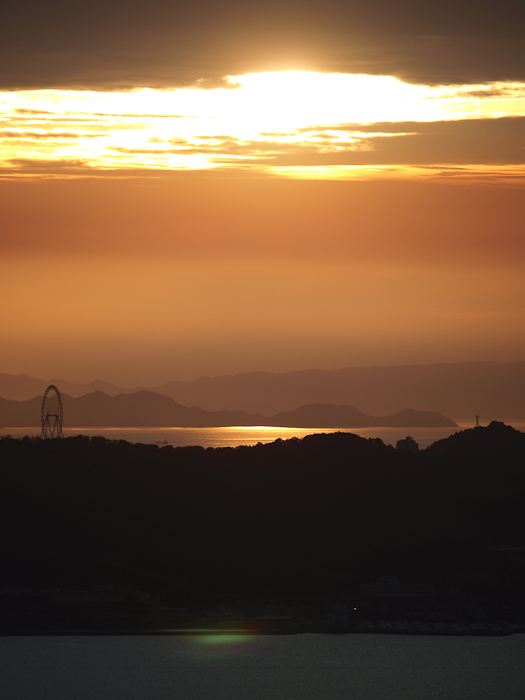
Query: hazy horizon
pixel 296 370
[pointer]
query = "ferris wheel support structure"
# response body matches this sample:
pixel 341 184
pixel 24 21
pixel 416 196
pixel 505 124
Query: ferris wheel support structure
pixel 51 422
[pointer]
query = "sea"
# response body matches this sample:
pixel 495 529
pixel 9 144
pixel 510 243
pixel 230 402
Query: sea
pixel 234 436
pixel 265 667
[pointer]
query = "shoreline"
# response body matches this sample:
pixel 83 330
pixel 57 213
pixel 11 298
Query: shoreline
pixel 381 627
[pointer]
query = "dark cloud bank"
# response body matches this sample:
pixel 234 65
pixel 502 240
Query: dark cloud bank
pixel 121 44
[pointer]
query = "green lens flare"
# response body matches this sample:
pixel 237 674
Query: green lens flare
pixel 218 639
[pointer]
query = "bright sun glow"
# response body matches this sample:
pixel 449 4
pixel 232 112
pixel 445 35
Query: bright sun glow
pixel 260 120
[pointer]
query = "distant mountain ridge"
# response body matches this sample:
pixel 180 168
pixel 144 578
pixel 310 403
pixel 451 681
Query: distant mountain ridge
pixel 139 409
pixel 331 416
pixel 21 387
pixel 148 409
pixel 454 389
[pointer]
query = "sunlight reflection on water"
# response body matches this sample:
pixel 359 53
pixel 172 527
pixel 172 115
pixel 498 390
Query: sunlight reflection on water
pixel 234 436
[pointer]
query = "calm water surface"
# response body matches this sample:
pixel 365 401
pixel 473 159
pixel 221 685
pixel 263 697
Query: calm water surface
pixel 302 667
pixel 242 435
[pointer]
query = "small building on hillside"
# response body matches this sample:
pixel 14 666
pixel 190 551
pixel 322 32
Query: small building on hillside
pixel 407 444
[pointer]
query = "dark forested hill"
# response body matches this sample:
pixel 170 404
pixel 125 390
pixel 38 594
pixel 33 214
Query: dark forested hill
pixel 322 514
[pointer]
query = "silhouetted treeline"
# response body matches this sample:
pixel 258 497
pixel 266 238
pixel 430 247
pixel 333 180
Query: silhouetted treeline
pixel 321 514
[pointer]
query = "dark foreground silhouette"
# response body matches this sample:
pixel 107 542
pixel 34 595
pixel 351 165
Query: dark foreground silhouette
pixel 317 516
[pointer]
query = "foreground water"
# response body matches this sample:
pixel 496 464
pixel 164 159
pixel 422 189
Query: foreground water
pixel 246 667
pixel 242 435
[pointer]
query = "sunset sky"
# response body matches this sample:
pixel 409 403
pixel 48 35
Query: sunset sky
pixel 193 189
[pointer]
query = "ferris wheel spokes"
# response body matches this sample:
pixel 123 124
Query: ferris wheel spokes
pixel 51 422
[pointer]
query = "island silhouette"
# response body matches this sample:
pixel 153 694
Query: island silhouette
pixel 148 409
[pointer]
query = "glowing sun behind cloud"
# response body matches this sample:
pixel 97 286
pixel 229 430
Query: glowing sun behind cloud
pixel 257 120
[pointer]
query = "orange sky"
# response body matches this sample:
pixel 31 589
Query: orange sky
pixel 193 189
pixel 142 280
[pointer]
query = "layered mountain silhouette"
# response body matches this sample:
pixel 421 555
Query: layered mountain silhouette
pixel 148 409
pixel 453 389
pixel 140 409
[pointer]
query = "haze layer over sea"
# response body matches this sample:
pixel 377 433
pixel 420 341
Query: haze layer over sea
pixel 245 435
pixel 265 667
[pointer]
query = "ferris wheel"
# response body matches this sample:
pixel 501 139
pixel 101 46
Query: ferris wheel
pixel 52 422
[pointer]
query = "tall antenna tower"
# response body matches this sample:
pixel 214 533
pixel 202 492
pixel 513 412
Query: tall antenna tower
pixel 477 418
